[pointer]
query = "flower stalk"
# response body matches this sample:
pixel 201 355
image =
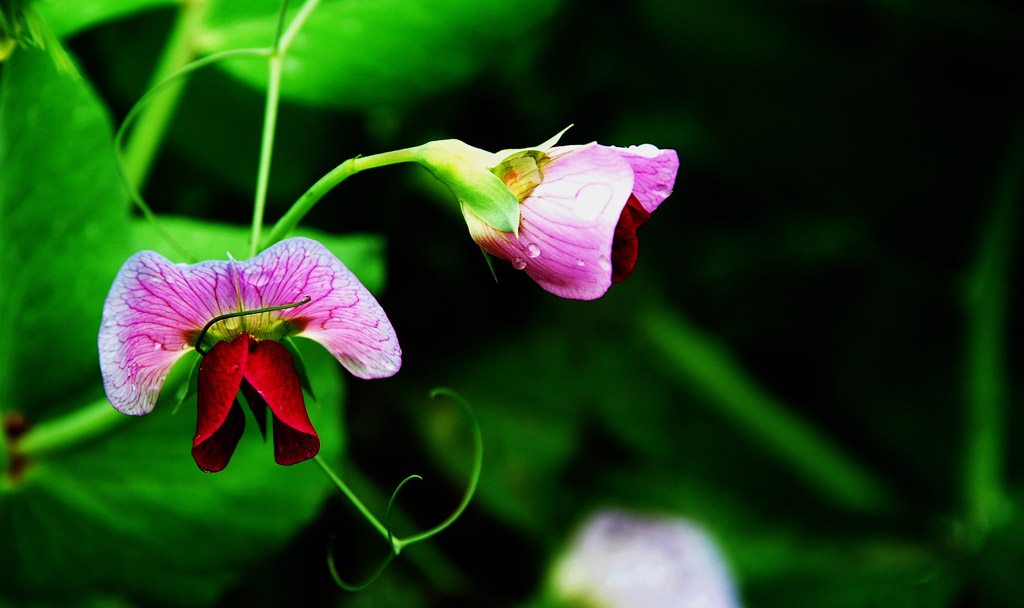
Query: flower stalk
pixel 80 425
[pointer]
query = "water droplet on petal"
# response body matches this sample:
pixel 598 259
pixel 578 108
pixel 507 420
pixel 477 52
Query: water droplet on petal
pixel 604 263
pixel 186 346
pixel 519 263
pixel 646 150
pixel 580 263
pixel 591 200
pixel 533 250
pixel 157 346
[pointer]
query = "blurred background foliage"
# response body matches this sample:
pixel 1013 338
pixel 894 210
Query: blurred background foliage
pixel 812 359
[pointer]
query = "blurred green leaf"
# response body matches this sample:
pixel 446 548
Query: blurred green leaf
pixel 362 54
pixel 363 254
pixel 68 17
pixel 62 229
pixel 131 511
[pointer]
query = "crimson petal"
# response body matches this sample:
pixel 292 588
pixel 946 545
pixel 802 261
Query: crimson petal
pixel 220 420
pixel 625 245
pixel 271 372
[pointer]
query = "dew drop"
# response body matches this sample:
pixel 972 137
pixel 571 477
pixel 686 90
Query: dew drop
pixel 645 150
pixel 156 346
pixel 580 262
pixel 519 263
pixel 533 250
pixel 591 200
pixel 604 263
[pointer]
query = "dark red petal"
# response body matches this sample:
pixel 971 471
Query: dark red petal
pixel 625 245
pixel 271 372
pixel 257 405
pixel 213 453
pixel 220 420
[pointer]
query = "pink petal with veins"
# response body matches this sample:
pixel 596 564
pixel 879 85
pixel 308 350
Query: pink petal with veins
pixel 156 309
pixel 567 222
pixel 342 315
pixel 153 313
pixel 654 173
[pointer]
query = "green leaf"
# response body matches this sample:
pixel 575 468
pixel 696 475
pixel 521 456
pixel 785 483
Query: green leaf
pixel 68 17
pixel 131 512
pixel 363 254
pixel 62 230
pixel 363 54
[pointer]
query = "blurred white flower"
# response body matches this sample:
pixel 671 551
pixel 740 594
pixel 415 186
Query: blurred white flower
pixel 619 560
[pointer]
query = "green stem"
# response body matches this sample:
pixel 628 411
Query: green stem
pixel 325 184
pixel 137 110
pixel 707 366
pixel 149 130
pixel 275 68
pixel 75 427
pixel 353 499
pixel 986 387
pixel 266 149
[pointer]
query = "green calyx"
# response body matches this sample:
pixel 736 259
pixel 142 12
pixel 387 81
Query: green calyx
pixel 464 169
pixel 489 185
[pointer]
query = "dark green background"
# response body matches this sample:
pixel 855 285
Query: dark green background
pixel 844 168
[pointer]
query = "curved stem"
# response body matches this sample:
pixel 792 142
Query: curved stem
pixel 478 458
pixel 325 184
pixel 242 313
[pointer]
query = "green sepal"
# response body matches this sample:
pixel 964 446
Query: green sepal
pixel 190 387
pixel 300 367
pixel 465 170
pixel 504 155
pixel 490 264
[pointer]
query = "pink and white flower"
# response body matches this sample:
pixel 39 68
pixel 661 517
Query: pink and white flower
pixel 156 311
pixel 619 560
pixel 579 210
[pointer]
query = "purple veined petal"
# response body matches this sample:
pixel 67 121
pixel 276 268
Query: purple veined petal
pixel 568 222
pixel 654 173
pixel 153 313
pixel 342 314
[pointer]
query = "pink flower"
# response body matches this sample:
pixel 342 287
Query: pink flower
pixel 579 210
pixel 156 311
pixel 619 559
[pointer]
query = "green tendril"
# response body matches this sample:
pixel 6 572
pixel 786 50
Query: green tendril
pixel 241 313
pixel 474 478
pixel 392 553
pixel 396 544
pixel 349 587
